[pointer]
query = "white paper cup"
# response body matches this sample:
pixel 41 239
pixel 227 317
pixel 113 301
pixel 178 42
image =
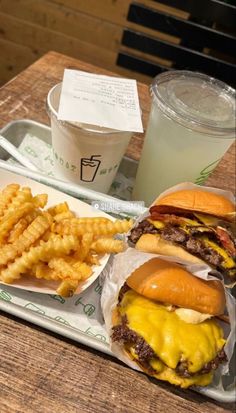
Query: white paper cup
pixel 84 154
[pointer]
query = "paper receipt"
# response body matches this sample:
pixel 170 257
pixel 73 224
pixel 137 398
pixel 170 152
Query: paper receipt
pixel 105 101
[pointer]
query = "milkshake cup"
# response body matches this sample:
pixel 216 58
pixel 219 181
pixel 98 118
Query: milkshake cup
pixel 85 154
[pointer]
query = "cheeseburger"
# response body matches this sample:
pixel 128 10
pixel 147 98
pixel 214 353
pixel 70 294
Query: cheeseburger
pixel 191 224
pixel 165 322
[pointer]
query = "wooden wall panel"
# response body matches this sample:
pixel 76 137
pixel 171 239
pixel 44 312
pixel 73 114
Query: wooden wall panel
pixel 114 10
pixel 64 21
pixel 13 59
pixel 87 29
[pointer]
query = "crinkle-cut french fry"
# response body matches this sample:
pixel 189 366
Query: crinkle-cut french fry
pixel 106 228
pixel 33 232
pixel 84 268
pixel 42 271
pixel 108 245
pixel 78 271
pixel 21 225
pixel 33 214
pixel 16 231
pixel 23 196
pixel 76 262
pixel 40 200
pixel 58 209
pixel 92 259
pixel 43 252
pixel 6 196
pixel 67 288
pixel 84 247
pixel 10 219
pixel 48 236
pixel 69 258
pixel 63 215
pixel 89 220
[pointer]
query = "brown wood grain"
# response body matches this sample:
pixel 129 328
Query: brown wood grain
pixel 90 30
pixel 43 373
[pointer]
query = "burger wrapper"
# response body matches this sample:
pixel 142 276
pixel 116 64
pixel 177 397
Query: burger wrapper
pixel 114 277
pixel 187 185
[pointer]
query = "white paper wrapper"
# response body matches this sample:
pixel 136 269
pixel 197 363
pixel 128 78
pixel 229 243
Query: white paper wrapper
pixel 123 265
pixel 187 185
pixel 182 186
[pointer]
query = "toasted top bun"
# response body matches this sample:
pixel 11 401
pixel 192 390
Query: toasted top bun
pixel 198 200
pixel 169 283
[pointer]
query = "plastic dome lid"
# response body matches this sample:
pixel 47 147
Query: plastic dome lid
pixel 196 101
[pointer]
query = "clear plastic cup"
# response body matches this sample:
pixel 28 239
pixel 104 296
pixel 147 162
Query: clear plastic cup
pixel 191 126
pixel 84 154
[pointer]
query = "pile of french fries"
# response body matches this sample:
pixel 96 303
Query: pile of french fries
pixel 51 243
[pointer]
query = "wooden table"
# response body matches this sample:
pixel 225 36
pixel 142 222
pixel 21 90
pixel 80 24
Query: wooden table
pixel 42 372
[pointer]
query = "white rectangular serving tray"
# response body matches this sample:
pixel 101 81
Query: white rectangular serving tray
pixel 16 131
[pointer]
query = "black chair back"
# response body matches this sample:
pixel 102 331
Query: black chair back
pixel 207 39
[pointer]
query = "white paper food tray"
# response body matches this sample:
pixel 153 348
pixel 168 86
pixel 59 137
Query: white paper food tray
pixel 78 318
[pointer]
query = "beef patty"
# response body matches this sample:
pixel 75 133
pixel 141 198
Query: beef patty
pixel 122 333
pixel 189 241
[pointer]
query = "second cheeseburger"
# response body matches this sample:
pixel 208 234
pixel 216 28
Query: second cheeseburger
pixel 192 224
pixel 165 322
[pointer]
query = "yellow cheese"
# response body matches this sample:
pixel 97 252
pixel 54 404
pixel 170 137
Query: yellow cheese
pixel 189 222
pixel 172 339
pixel 183 223
pixel 228 261
pixel 165 373
pixel 208 220
pixel 157 224
pixel 169 375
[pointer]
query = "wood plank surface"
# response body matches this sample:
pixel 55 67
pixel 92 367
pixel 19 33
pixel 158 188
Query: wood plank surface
pixel 44 373
pixel 41 372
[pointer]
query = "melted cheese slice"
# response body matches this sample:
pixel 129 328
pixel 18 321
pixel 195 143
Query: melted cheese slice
pixel 228 261
pixel 169 375
pixel 172 339
pixel 157 224
pixel 208 220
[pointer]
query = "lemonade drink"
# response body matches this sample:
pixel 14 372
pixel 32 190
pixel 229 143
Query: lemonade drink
pixel 191 126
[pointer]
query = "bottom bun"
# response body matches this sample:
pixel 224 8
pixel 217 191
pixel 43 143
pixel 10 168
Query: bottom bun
pixel 155 244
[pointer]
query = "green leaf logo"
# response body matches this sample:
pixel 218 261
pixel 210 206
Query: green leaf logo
pixel 206 172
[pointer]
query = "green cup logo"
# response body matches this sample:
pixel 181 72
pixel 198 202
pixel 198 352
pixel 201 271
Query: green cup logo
pixel 206 172
pixel 88 309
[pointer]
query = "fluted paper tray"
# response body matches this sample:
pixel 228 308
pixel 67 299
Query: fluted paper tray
pixel 78 318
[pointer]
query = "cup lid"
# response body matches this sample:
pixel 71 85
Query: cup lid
pixel 196 101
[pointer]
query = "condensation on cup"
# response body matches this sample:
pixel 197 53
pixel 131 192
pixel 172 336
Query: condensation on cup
pixel 88 155
pixel 191 126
